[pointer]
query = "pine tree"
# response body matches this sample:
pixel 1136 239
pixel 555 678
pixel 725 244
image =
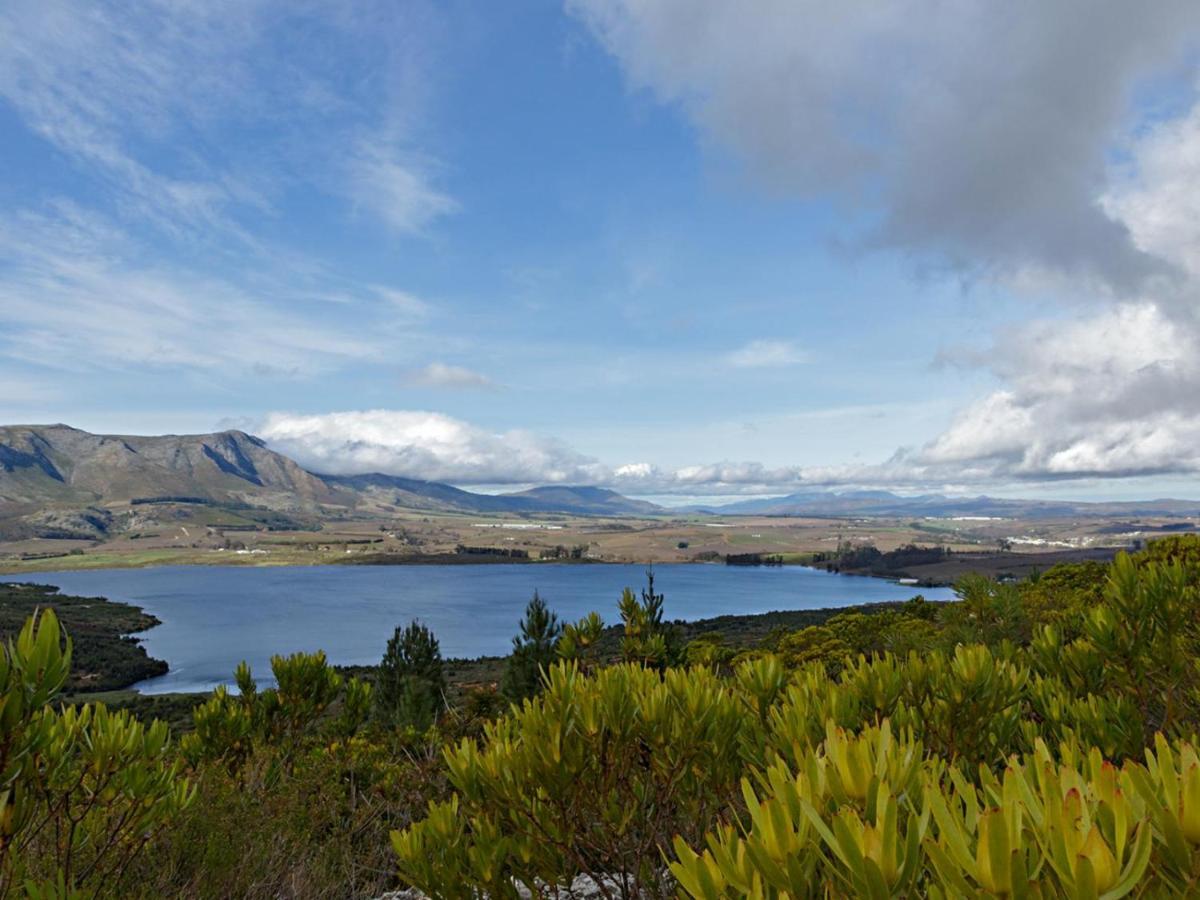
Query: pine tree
pixel 411 688
pixel 533 650
pixel 648 640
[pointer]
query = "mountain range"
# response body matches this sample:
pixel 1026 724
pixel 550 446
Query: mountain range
pixel 885 503
pixel 44 468
pixel 56 465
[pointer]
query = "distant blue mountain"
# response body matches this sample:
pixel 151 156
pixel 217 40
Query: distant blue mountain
pixel 886 503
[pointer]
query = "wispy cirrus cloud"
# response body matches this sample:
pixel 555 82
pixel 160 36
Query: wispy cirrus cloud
pixel 398 190
pixel 186 133
pixel 245 87
pixel 766 354
pixel 76 295
pixel 105 85
pixel 443 375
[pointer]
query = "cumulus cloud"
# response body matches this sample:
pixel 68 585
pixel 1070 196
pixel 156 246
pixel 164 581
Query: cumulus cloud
pixel 972 134
pixel 425 445
pixel 765 354
pixel 1117 392
pixel 1154 193
pixel 713 478
pixel 979 138
pixel 1111 395
pixel 442 375
pixel 437 447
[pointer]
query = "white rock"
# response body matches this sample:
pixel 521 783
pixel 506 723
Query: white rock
pixel 584 887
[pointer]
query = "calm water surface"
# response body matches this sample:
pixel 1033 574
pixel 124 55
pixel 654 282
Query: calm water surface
pixel 214 617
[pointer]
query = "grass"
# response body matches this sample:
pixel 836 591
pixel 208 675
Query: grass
pixel 279 555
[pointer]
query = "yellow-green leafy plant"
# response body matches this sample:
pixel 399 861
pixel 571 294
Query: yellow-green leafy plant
pixel 815 643
pixel 33 670
pixel 592 777
pixel 1069 827
pixel 1169 785
pixel 988 612
pixel 709 649
pixel 83 789
pixel 579 641
pixel 107 783
pixel 871 816
pixel 1140 642
pixel 844 821
pixel 1108 721
pixel 648 640
pixel 761 682
pixel 230 727
pixel 969 704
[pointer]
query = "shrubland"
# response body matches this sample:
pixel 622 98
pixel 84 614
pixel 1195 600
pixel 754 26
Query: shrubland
pixel 1028 740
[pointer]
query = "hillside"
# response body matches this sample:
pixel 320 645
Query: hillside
pixel 412 493
pixel 57 463
pixel 585 500
pixel 61 480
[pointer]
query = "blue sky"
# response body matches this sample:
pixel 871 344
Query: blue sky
pixel 656 246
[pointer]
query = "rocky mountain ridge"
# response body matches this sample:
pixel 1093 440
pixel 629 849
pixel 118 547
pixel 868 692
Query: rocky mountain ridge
pixel 54 466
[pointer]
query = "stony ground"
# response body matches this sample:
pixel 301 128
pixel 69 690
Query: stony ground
pixel 582 888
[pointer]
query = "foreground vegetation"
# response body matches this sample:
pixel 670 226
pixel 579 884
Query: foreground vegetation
pixel 1029 740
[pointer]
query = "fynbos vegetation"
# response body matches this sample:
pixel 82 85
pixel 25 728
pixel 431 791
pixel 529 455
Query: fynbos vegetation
pixel 1028 740
pixel 82 790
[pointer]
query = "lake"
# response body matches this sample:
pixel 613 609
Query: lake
pixel 215 616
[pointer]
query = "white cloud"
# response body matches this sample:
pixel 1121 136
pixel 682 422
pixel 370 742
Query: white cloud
pixel 979 137
pixel 94 81
pixel 1155 193
pixel 990 446
pixel 437 447
pixel 1117 392
pixel 766 354
pixel 404 302
pixel 966 134
pixel 713 478
pixel 192 115
pixel 441 375
pixel 75 295
pixel 396 190
pixel 426 445
pixel 1111 395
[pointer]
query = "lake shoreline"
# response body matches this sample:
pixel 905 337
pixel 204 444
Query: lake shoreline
pixel 213 617
pixel 63 563
pixel 464 673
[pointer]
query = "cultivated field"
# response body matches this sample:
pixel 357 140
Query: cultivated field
pixel 182 534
